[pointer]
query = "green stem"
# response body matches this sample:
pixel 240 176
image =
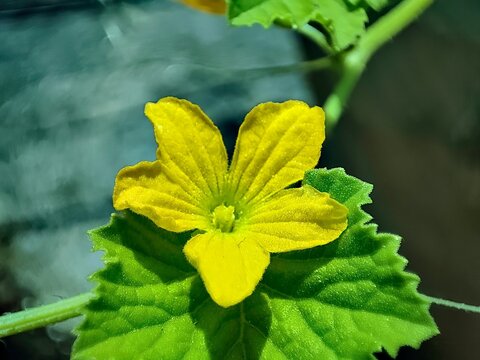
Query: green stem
pixel 453 304
pixel 354 61
pixel 316 36
pixel 43 315
pixel 391 24
pixel 305 66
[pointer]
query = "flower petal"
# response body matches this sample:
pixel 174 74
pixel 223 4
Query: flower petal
pixel 210 6
pixel 276 144
pixel 296 219
pixel 146 190
pixel 190 146
pixel 230 264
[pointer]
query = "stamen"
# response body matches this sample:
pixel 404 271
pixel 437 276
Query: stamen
pixel 224 218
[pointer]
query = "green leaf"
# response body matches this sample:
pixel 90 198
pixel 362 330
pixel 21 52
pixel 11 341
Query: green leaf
pixel 343 23
pixel 376 5
pixel 345 300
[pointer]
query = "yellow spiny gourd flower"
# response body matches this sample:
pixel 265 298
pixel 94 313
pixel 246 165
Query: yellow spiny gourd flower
pixel 242 211
pixel 210 6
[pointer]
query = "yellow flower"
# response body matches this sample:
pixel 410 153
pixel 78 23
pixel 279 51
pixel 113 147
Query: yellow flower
pixel 243 211
pixel 210 6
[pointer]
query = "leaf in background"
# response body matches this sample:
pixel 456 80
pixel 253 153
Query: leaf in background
pixel 344 300
pixel 376 5
pixel 342 22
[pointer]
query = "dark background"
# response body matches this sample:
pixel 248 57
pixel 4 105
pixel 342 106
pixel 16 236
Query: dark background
pixel 74 77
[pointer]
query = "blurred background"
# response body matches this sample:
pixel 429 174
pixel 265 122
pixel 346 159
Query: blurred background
pixel 74 78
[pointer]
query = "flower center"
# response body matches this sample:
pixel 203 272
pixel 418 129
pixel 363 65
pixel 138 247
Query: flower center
pixel 224 218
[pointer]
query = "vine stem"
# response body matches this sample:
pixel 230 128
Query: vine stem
pixel 304 66
pixel 355 60
pixel 453 304
pixel 316 36
pixel 40 316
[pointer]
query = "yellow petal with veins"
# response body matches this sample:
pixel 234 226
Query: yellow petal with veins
pixel 276 144
pixel 146 190
pixel 190 147
pixel 229 264
pixel 296 219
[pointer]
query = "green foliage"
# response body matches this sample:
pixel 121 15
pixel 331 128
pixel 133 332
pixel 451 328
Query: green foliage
pixel 374 4
pixel 343 20
pixel 345 300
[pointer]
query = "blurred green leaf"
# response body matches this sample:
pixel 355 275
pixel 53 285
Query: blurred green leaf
pixel 374 4
pixel 343 20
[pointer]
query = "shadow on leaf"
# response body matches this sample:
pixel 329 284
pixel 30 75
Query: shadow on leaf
pixel 237 332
